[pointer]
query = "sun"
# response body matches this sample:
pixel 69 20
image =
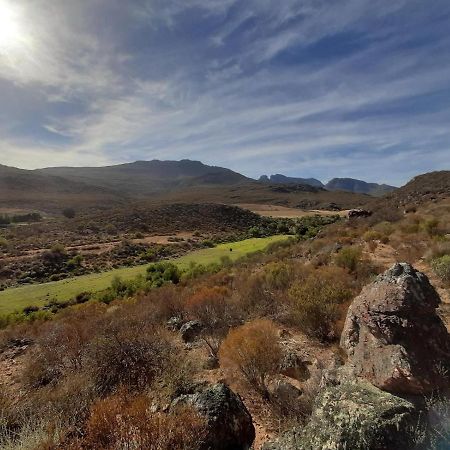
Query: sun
pixel 11 34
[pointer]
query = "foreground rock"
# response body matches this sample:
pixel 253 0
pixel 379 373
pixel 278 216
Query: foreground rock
pixel 357 416
pixel 230 425
pixel 393 336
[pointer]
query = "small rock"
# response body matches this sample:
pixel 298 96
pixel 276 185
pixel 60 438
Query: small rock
pixel 191 330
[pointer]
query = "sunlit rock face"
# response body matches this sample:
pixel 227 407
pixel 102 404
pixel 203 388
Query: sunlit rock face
pixel 393 335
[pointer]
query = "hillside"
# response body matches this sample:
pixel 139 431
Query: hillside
pixel 155 182
pixel 142 178
pixel 359 186
pixel 31 189
pixel 422 189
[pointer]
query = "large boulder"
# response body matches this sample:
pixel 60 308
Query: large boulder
pixel 230 425
pixel 357 416
pixel 393 335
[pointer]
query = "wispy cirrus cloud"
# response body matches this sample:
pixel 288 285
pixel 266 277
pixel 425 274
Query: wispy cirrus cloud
pixel 310 88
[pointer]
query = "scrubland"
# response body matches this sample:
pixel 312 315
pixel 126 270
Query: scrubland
pixel 102 372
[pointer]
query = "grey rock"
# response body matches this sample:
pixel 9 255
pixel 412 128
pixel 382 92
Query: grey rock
pixel 354 416
pixel 230 425
pixel 393 336
pixel 191 330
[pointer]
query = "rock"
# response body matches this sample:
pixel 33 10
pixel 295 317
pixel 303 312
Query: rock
pixel 230 425
pixel 293 366
pixel 356 416
pixel 284 390
pixel 393 336
pixel 175 323
pixel 191 330
pixel 356 213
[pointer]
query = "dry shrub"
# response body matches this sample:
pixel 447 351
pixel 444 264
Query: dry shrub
pixel 121 421
pixel 254 350
pixel 212 307
pixel 208 304
pixel 314 303
pixel 60 346
pixel 129 354
pixel 441 267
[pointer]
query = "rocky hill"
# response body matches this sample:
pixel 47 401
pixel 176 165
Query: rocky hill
pixel 283 179
pixel 424 188
pixel 359 186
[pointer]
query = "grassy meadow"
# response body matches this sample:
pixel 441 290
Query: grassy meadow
pixel 15 299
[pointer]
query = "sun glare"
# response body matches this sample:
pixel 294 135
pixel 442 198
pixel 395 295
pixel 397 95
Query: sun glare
pixel 11 35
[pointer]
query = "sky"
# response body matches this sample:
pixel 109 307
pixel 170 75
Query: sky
pixel 307 88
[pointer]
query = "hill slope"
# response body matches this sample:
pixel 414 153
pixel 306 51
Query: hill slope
pixel 421 189
pixel 359 186
pixel 30 189
pixel 148 177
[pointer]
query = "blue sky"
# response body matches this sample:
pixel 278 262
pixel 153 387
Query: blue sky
pixel 321 88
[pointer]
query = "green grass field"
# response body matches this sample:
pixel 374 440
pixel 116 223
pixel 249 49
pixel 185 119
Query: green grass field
pixel 15 299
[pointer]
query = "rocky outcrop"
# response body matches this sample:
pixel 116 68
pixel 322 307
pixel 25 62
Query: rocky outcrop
pixel 354 415
pixel 191 330
pixel 230 425
pixel 393 336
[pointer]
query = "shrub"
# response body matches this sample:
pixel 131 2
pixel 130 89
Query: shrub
pixel 69 213
pixel 254 350
pixel 118 420
pixel 163 272
pixel 3 243
pixel 430 226
pixel 441 267
pixel 349 258
pixel 132 355
pixel 210 306
pixel 314 303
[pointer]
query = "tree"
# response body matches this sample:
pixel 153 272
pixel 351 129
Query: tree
pixel 254 350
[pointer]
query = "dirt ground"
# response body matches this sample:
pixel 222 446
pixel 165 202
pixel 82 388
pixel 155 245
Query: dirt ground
pixel 285 212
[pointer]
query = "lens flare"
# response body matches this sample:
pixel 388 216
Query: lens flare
pixel 11 34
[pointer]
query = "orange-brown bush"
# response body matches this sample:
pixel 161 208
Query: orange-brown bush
pixel 121 421
pixel 254 350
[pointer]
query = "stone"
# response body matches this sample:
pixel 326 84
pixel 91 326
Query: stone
pixel 229 424
pixel 191 330
pixel 293 366
pixel 357 416
pixel 394 337
pixel 284 390
pixel 357 213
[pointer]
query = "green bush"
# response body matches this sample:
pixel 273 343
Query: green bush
pixel 441 267
pixel 163 272
pixel 349 258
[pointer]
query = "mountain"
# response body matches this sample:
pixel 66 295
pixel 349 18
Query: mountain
pixel 283 179
pixel 148 177
pixel 154 183
pixel 359 186
pixel 27 188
